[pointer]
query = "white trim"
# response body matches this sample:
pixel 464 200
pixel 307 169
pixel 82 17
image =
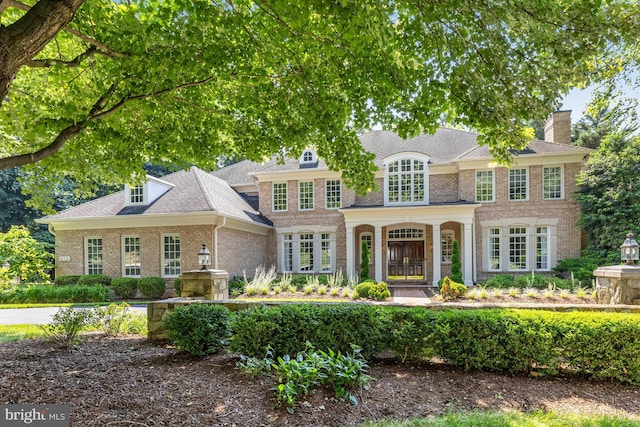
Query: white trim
pixel 526 177
pixel 493 185
pixel 561 182
pixel 326 193
pixel 313 201
pixel 86 254
pixel 162 255
pixel 273 196
pixel 412 156
pixel 122 254
pixel 314 157
pixel 443 233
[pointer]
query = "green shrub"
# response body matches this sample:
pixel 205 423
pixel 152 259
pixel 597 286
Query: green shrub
pixel 287 328
pixel 67 324
pixel 582 269
pixel 177 286
pixel 66 280
pixel 537 281
pixel 94 279
pixel 502 281
pixel 411 333
pixel 362 290
pixel 152 287
pixel 452 290
pixel 118 319
pixel 198 328
pixel 456 264
pixel 125 287
pixel 364 263
pixel 25 294
pixel 379 291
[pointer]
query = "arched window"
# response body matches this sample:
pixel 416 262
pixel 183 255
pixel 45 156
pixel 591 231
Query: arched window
pixel 407 179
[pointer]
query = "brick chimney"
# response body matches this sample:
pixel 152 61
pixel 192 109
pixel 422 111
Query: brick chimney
pixel 558 127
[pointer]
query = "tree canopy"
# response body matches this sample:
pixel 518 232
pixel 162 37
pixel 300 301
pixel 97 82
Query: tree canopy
pixel 94 90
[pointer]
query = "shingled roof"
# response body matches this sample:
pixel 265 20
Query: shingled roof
pixel 193 191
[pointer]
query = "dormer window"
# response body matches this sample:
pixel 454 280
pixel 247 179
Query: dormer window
pixel 136 195
pixel 308 159
pixel 406 179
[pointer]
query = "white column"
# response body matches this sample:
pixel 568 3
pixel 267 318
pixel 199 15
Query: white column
pixel 377 242
pixel 350 252
pixel 436 254
pixel 467 264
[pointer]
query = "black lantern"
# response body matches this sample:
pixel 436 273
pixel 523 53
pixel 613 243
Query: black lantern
pixel 204 257
pixel 629 249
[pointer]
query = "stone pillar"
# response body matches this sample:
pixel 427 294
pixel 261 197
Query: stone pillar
pixel 618 284
pixel 205 284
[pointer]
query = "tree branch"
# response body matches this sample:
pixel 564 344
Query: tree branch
pixel 45 63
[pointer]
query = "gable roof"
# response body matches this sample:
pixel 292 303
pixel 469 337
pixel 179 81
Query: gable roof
pixel 193 191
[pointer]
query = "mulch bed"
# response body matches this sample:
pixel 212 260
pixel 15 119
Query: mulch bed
pixel 127 381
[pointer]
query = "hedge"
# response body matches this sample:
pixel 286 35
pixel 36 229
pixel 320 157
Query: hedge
pixel 125 287
pixel 43 293
pixel 603 345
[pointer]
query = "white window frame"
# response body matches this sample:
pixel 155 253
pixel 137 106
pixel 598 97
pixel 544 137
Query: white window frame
pixel 490 173
pixel 494 247
pixel 167 270
pixel 446 245
pixel 306 201
pixel 274 203
pixel 332 192
pixel 512 184
pixel 368 237
pixel 125 254
pixel 89 267
pixel 542 248
pixel 287 253
pixel 306 240
pixel 515 251
pixel 390 176
pixel 545 183
pixel 325 253
pixel 308 157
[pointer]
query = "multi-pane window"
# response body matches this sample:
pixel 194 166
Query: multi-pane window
pixel 484 186
pixel 406 233
pixel 325 251
pixel 287 253
pixel 94 255
pixel 494 249
pixel 171 255
pixel 279 196
pixel 136 195
pixel 517 184
pixel 368 238
pixel 406 181
pixel 446 245
pixel 131 256
pixel 307 157
pixel 517 248
pixel 542 248
pixel 305 195
pixel 306 252
pixel 552 182
pixel 333 193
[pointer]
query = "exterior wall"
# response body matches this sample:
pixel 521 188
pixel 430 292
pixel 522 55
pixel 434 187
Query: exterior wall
pixel 373 198
pixel 443 188
pixel 241 251
pixel 71 244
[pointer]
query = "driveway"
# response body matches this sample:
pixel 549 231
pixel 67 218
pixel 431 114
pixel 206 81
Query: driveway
pixel 40 316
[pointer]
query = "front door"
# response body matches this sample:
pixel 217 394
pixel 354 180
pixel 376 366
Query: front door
pixel 406 260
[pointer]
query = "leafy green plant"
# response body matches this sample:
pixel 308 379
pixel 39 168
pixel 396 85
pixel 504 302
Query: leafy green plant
pixel 124 287
pixel 362 290
pixel 578 270
pixel 95 279
pixel 198 328
pixel 152 287
pixel 451 289
pixel 322 290
pixel 456 264
pixel 364 263
pixel 379 291
pixel 118 319
pixel 66 280
pixel 38 293
pixel 28 258
pixel 177 286
pixel 335 280
pixel 67 324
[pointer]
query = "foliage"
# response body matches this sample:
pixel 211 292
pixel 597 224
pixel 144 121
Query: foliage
pixel 198 328
pixel 261 281
pixel 66 280
pixel 451 289
pixel 456 264
pixel 124 287
pixel 45 293
pixel 310 369
pixel 579 269
pixel 67 324
pixel 364 264
pixel 9 333
pixel 117 319
pixel 177 286
pixel 372 290
pixel 398 64
pixel 600 121
pixel 609 196
pixel 236 286
pixel 95 279
pixel 28 259
pixel 411 335
pixel 287 328
pixel 152 287
pixel 537 281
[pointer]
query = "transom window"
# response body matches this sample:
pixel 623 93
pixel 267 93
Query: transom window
pixel 552 182
pixel 517 248
pixel 131 256
pixel 94 255
pixel 279 197
pixel 406 233
pixel 446 245
pixel 333 193
pixel 406 181
pixel 305 195
pixel 484 186
pixel 517 184
pixel 171 255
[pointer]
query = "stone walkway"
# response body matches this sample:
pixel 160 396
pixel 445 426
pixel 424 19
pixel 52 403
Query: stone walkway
pixel 412 296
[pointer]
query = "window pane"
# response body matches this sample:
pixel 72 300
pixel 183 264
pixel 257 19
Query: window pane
pixel 518 248
pixel 131 248
pixel 325 250
pixel 406 181
pixel 517 184
pixel 305 195
pixel 280 196
pixel 171 256
pixel 494 249
pixel 137 194
pixel 542 248
pixel 94 255
pixel 484 186
pixel 333 194
pixel 306 252
pixel 287 253
pixel 552 183
pixel 446 245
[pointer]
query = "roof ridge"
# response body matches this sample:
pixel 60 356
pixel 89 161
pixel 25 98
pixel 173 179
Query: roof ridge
pixel 196 172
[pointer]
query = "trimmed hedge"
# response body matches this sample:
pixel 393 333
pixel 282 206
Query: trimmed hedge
pixel 603 345
pixel 94 279
pixel 53 294
pixel 198 328
pixel 152 287
pixel 66 280
pixel 125 287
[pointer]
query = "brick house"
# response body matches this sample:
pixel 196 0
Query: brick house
pixel 298 215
